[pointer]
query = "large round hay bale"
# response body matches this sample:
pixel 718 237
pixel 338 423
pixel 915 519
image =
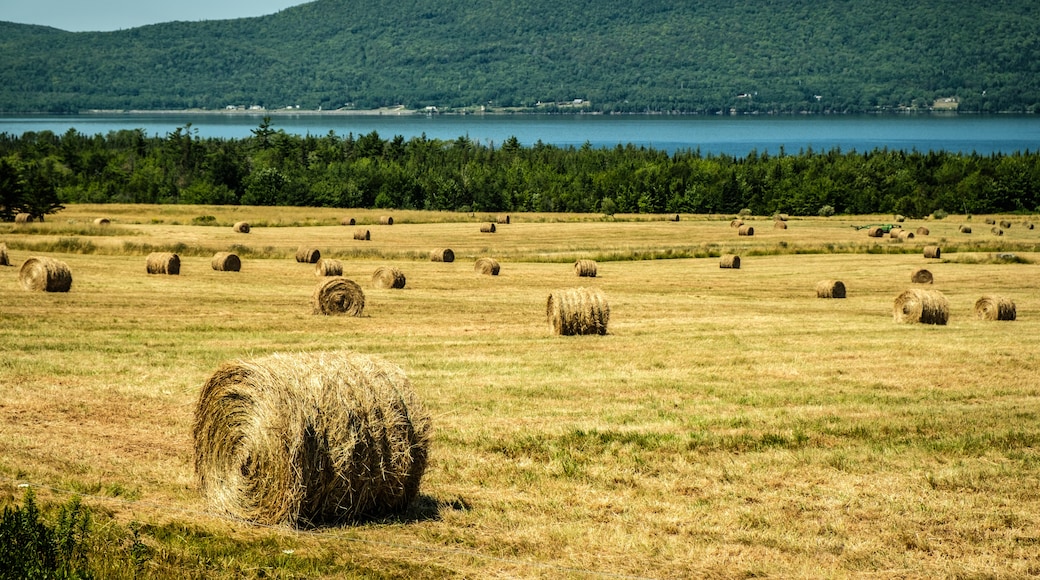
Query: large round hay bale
pixel 875 232
pixel 674 218
pixel 4 259
pixel 388 277
pixel 996 231
pixel 226 262
pixel 488 228
pixel 781 217
pixel 1029 225
pixel 923 231
pixel 932 252
pixel 338 295
pixel 1005 224
pixel 442 255
pixel 830 289
pixel 306 255
pixel 921 276
pixel 746 231
pixel 241 227
pixel 309 439
pixel 101 222
pixel 23 218
pixel 965 229
pixel 577 311
pixel 730 261
pixel 487 266
pixel 163 263
pixel 502 219
pixel 991 221
pixel 779 225
pixel 894 233
pixel 993 307
pixel 363 235
pixel 905 235
pixel 585 268
pixel 386 220
pixel 900 218
pixel 348 221
pixel 328 267
pixel 736 223
pixel 45 275
pixel 924 306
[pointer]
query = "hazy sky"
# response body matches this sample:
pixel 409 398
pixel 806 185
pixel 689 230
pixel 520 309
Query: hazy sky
pixel 80 15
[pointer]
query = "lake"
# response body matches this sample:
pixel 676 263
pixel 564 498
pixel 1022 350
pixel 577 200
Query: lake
pixel 733 135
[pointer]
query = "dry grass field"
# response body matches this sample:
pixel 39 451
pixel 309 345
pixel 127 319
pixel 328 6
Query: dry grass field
pixel 730 424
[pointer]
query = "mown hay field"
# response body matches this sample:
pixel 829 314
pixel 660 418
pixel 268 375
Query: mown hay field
pixel 730 423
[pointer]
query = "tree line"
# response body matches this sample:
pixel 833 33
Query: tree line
pixel 41 171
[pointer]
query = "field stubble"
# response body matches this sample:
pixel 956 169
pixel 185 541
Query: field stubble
pixel 730 424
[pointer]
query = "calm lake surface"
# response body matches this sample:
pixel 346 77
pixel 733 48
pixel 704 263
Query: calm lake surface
pixel 738 136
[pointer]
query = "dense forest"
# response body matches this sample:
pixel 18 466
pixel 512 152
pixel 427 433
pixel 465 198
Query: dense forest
pixel 704 56
pixel 39 172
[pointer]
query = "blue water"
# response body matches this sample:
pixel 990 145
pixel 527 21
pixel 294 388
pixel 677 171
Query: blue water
pixel 711 135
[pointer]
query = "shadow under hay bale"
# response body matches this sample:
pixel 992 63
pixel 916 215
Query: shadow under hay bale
pixel 23 218
pixel 746 231
pixel 830 289
pixel 875 232
pixel 338 295
pixel 965 229
pixel 306 255
pixel 577 311
pixel 163 263
pixel 585 268
pixel 923 231
pixel 45 275
pixel 308 439
pixel 488 228
pixel 101 222
pixel 4 259
pixel 730 261
pixel 923 306
pixel 241 227
pixel 993 307
pixel 779 225
pixel 486 266
pixel 226 262
pixel 502 219
pixel 932 252
pixel 348 222
pixel 386 220
pixel 442 255
pixel 362 235
pixel 388 277
pixel 921 276
pixel 328 267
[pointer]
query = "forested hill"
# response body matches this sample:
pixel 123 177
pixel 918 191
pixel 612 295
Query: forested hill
pixel 615 55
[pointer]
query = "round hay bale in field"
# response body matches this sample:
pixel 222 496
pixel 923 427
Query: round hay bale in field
pixel 101 222
pixel 363 235
pixel 965 229
pixel 577 311
pixel 23 218
pixel 736 223
pixel 308 439
pixel 163 263
pixel 486 266
pixel 996 231
pixel 830 289
pixel 900 218
pixel 226 262
pixel 1029 225
pixel 923 231
pixel 993 307
pixel 875 232
pixel 306 255
pixel 4 259
pixel 241 227
pixel 746 231
pixel 338 295
pixel 487 228
pixel 991 222
pixel 779 225
pixel 1005 224
pixel 585 268
pixel 386 220
pixel 388 277
pixel 674 218
pixel 45 275
pixel 348 221
pixel 502 219
pixel 924 306
pixel 932 252
pixel 894 232
pixel 905 235
pixel 730 261
pixel 781 217
pixel 921 276
pixel 328 267
pixel 442 255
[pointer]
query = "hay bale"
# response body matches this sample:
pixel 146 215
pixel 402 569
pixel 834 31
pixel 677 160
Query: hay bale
pixel 101 222
pixel 442 255
pixel 875 232
pixel 328 267
pixel 241 227
pixel 486 266
pixel 226 262
pixel 991 222
pixel 781 217
pixel 1005 224
pixel 348 221
pixel 674 218
pixel 306 255
pixel 996 231
pixel 386 220
pixel 577 311
pixel 932 252
pixel 4 259
pixel 923 231
pixel 388 277
pixel 924 306
pixel 746 231
pixel 502 219
pixel 965 229
pixel 164 263
pixel 830 289
pixel 363 235
pixel 736 223
pixel 487 228
pixel 309 439
pixel 730 261
pixel 894 233
pixel 1029 225
pixel 905 235
pixel 23 218
pixel 921 276
pixel 585 268
pixel 779 225
pixel 900 218
pixel 338 295
pixel 45 275
pixel 993 307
